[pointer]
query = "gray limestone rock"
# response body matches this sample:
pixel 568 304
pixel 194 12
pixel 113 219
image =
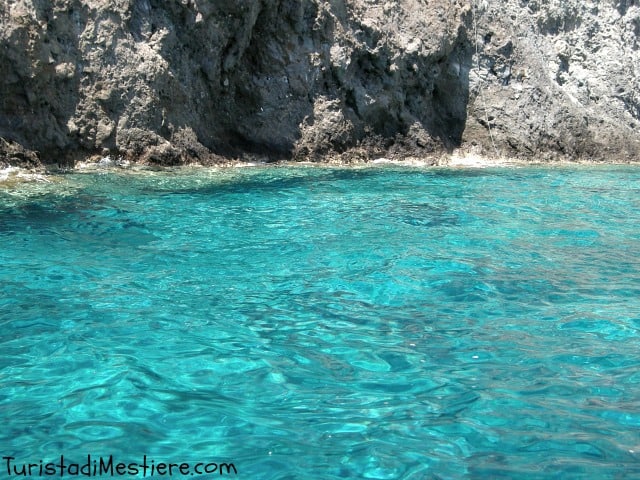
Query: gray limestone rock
pixel 556 80
pixel 202 80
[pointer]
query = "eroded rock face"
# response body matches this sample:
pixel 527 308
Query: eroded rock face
pixel 171 82
pixel 556 79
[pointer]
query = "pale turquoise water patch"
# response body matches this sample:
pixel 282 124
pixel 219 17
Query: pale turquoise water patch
pixel 383 323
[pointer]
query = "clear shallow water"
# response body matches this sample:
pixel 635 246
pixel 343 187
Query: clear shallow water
pixel 327 323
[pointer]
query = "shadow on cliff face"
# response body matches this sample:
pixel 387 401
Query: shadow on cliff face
pixel 269 80
pixel 41 88
pixel 316 80
pixel 416 102
pixel 278 78
pixel 238 68
pixel 450 96
pixel 304 79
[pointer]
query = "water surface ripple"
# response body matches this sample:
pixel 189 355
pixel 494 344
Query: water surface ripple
pixel 384 323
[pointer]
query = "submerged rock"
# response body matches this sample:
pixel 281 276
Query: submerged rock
pixel 194 80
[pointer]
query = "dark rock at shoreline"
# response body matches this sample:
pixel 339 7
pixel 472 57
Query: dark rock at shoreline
pixel 203 81
pixel 13 154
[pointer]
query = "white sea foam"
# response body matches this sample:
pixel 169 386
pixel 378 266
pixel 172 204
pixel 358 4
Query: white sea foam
pixel 18 175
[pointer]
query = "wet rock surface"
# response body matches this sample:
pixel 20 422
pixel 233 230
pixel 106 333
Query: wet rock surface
pixel 203 81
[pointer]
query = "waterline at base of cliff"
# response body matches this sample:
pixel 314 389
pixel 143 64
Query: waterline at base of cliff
pixel 197 82
pixel 381 322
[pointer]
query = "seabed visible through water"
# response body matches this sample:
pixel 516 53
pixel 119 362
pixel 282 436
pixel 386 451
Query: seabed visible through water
pixel 386 322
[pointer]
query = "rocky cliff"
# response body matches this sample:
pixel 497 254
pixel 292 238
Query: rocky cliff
pixel 200 80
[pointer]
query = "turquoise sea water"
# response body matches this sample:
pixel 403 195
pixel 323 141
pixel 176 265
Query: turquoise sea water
pixel 317 323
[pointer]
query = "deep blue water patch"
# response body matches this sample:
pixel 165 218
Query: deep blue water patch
pixel 383 323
